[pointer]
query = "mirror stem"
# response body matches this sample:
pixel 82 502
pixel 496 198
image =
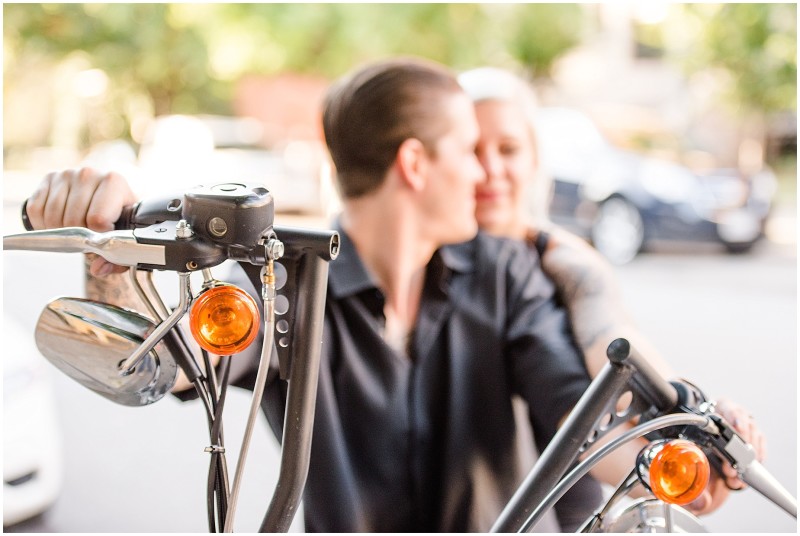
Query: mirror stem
pixel 162 329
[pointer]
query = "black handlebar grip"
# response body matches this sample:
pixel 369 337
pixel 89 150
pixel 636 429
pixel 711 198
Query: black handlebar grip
pixel 125 221
pixel 25 220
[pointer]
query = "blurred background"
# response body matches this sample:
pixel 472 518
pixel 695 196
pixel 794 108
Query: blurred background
pixel 670 130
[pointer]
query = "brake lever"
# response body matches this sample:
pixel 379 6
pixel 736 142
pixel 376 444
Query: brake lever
pixel 742 456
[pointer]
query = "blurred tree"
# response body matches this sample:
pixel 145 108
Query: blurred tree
pixel 186 58
pixel 756 44
pixel 754 48
pixel 140 46
pixel 540 33
pixel 330 39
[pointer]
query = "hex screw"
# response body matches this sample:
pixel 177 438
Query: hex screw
pixel 183 230
pixel 274 249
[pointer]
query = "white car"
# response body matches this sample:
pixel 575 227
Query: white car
pixel 181 151
pixel 32 456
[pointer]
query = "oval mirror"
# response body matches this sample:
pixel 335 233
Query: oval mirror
pixel 87 341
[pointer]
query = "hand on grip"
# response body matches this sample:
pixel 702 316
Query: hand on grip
pixel 82 197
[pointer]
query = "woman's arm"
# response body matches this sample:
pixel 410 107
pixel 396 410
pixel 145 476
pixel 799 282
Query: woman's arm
pixel 587 285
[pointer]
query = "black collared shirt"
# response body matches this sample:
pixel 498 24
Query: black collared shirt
pixel 425 441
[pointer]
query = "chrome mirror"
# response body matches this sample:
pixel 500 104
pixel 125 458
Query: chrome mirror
pixel 88 341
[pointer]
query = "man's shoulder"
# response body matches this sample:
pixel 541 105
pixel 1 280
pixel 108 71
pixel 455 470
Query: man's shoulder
pixel 486 250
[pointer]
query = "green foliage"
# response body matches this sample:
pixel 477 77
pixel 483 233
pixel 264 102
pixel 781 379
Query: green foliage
pixel 756 44
pixel 540 33
pixel 137 45
pixel 186 57
pixel 329 39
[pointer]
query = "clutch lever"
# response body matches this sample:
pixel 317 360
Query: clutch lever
pixel 118 247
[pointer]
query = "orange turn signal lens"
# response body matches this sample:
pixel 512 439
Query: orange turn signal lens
pixel 224 320
pixel 679 472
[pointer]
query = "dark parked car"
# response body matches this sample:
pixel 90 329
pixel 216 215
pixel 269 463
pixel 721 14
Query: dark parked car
pixel 622 201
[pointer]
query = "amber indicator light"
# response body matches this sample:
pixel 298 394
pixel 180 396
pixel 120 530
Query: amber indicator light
pixel 679 472
pixel 224 320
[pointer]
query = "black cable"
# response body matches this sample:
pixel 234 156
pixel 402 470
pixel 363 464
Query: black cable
pixel 217 400
pixel 214 466
pixel 212 377
pixel 221 479
pixel 203 393
pixel 217 483
pixel 216 428
pixel 211 493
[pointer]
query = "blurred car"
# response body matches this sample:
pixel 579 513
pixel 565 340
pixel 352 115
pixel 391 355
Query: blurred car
pixel 32 457
pixel 623 201
pixel 180 151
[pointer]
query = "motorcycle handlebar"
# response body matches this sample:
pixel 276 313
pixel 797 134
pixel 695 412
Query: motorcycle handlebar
pixel 297 241
pixel 665 396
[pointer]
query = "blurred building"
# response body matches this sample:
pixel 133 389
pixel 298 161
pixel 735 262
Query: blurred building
pixel 644 102
pixel 288 105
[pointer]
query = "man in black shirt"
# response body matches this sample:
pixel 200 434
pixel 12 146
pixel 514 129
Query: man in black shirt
pixel 425 342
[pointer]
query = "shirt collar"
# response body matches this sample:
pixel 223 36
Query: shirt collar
pixel 347 274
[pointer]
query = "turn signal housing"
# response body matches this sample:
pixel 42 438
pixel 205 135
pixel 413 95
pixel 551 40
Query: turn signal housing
pixel 679 472
pixel 224 320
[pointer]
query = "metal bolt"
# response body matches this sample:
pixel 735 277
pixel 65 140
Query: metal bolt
pixel 191 265
pixel 217 227
pixel 183 230
pixel 274 249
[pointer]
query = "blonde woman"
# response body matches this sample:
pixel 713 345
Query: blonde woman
pixel 512 202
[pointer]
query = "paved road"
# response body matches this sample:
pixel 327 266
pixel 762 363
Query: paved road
pixel 728 322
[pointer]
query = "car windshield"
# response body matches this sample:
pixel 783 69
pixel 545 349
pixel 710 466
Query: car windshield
pixel 568 130
pixel 567 138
